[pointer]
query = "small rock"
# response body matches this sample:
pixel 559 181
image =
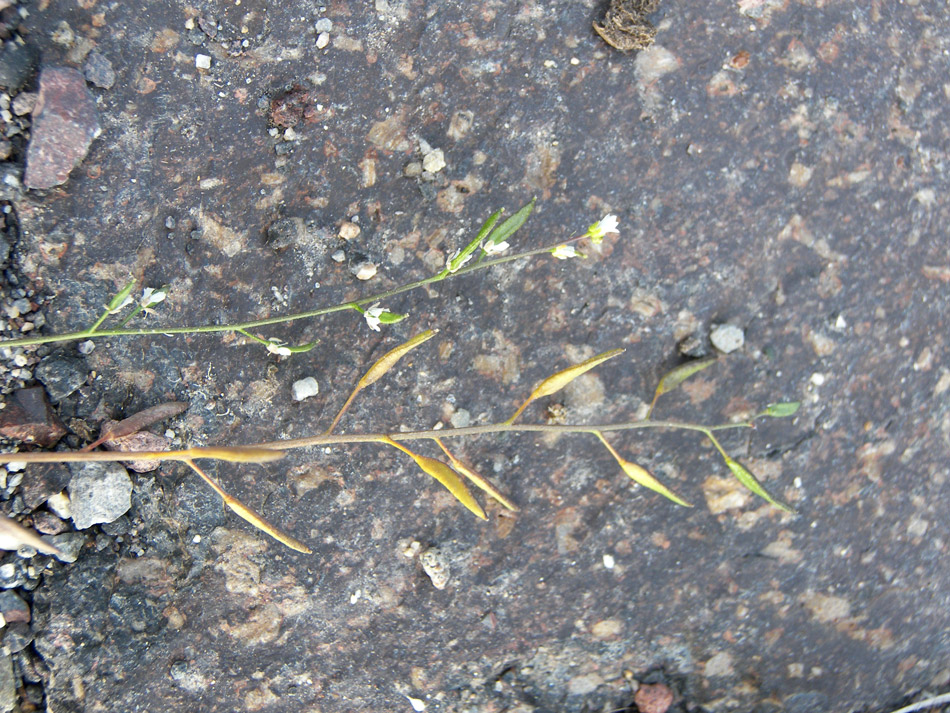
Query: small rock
pixel 17 64
pixel 46 523
pixel 338 256
pixel 59 504
pixel 284 233
pixel 6 149
pixel 23 103
pixel 693 346
pixel 69 544
pixel 202 61
pixel 434 161
pixel 727 338
pixel 61 375
pixel 323 39
pixel 324 24
pixel 11 576
pixel 461 418
pixel 349 230
pixel 13 607
pixel 413 169
pixel 17 637
pixel 305 388
pixel 29 417
pixel 653 698
pixel 436 566
pixel 98 70
pixel 98 492
pixel 8 685
pixel 45 479
pixel 65 122
pixel 364 271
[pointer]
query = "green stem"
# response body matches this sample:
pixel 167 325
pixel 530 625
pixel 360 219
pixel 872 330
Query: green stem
pixel 91 332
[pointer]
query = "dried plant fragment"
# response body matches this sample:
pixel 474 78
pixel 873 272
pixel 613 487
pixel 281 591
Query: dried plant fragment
pixel 559 380
pixel 625 25
pixel 136 422
pixel 477 479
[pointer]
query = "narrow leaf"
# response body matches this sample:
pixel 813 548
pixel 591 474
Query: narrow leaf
pixel 673 378
pixel 116 302
pixel 783 409
pixel 456 262
pixel 389 359
pixel 13 536
pixel 144 419
pixel 511 225
pixel 753 484
pixel 237 454
pixel 445 475
pixel 642 475
pixel 261 524
pixel 558 381
pixel 477 479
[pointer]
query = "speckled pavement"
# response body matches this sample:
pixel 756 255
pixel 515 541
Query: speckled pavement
pixel 779 165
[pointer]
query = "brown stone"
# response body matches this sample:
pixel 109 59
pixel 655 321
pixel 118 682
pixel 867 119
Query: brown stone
pixel 28 417
pixel 653 698
pixel 65 122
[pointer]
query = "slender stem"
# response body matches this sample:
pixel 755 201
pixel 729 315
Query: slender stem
pixel 343 409
pixel 343 439
pixel 91 332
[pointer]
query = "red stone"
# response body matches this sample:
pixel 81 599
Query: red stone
pixel 653 698
pixel 65 122
pixel 28 417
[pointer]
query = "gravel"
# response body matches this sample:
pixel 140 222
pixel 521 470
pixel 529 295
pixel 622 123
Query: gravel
pixel 98 492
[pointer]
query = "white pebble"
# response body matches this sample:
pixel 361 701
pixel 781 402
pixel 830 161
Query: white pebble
pixel 609 561
pixel 434 161
pixel 305 388
pixel 338 256
pixel 86 347
pixel 366 271
pixel 15 466
pixel 324 24
pixel 727 338
pixel 202 61
pixel 323 39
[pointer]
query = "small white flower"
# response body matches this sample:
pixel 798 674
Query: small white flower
pixel 491 248
pixel 566 252
pixel 451 264
pixel 278 349
pixel 372 316
pixel 607 224
pixel 152 297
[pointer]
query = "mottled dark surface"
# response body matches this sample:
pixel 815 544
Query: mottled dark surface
pixel 777 164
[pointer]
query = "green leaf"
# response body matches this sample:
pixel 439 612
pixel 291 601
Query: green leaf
pixel 783 409
pixel 116 302
pixel 456 262
pixel 673 378
pixel 753 484
pixel 510 226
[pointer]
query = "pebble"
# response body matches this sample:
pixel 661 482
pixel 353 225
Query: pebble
pixel 364 271
pixel 8 685
pixel 61 375
pixel 349 230
pixel 70 544
pixel 17 637
pixel 324 24
pixel 434 161
pixel 98 492
pixel 653 698
pixel 323 39
pixel 24 103
pixel 11 576
pixel 338 256
pixel 59 504
pixel 17 64
pixel 13 607
pixel 98 70
pixel 29 417
pixel 305 388
pixel 436 566
pixel 65 122
pixel 461 419
pixel 727 338
pixel 413 169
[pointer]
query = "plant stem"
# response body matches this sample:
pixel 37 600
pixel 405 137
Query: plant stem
pixel 94 333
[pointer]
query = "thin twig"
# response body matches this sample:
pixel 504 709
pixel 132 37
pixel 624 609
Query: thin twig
pixel 922 705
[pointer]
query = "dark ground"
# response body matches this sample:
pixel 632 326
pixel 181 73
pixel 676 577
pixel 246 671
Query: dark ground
pixel 776 164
